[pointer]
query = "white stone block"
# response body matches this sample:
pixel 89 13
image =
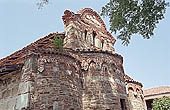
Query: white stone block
pixel 22 101
pixel 25 87
pixel 11 104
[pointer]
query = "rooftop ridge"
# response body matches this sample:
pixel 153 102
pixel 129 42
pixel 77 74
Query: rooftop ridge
pixel 8 60
pixel 129 79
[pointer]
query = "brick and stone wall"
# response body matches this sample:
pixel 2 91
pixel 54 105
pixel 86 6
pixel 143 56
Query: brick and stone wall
pixel 58 83
pixel 104 84
pixel 135 94
pixel 86 75
pixel 65 80
pixel 86 30
pixel 79 80
pixel 103 75
pixel 9 91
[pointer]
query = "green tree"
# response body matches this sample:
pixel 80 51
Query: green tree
pixel 161 104
pixel 129 17
pixel 58 42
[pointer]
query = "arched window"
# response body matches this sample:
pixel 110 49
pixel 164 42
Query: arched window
pixel 93 35
pixel 92 62
pixel 130 89
pixel 104 67
pixel 92 65
pixel 138 91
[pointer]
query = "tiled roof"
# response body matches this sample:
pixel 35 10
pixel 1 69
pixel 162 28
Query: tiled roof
pixel 157 90
pixel 129 79
pixel 17 58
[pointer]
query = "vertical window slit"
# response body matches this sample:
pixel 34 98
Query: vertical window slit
pixel 85 36
pixel 122 103
pixel 102 43
pixel 94 35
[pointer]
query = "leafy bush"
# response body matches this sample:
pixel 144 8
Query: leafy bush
pixel 161 104
pixel 58 42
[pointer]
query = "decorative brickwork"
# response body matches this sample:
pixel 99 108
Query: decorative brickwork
pixel 86 75
pixel 135 94
pixel 86 30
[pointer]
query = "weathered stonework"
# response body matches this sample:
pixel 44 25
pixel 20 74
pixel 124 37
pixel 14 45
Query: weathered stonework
pixel 135 94
pixel 58 87
pixel 86 30
pixel 9 92
pixel 103 86
pixel 86 75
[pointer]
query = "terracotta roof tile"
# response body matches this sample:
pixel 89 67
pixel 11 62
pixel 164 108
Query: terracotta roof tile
pixel 157 90
pixel 18 56
pixel 129 79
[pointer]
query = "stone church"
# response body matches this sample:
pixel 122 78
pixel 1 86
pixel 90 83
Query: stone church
pixel 87 74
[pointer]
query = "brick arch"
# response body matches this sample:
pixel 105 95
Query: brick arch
pixel 104 67
pixel 130 88
pixel 89 11
pixel 91 63
pixel 137 90
pixel 114 67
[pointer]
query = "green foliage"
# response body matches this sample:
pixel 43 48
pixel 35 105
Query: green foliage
pixel 161 104
pixel 128 17
pixel 58 42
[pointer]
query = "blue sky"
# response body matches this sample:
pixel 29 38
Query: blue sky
pixel 21 23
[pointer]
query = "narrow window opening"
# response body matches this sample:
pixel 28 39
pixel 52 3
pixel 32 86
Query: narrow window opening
pixel 102 43
pixel 94 35
pixel 122 103
pixel 81 83
pixel 85 36
pixel 137 90
pixel 105 69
